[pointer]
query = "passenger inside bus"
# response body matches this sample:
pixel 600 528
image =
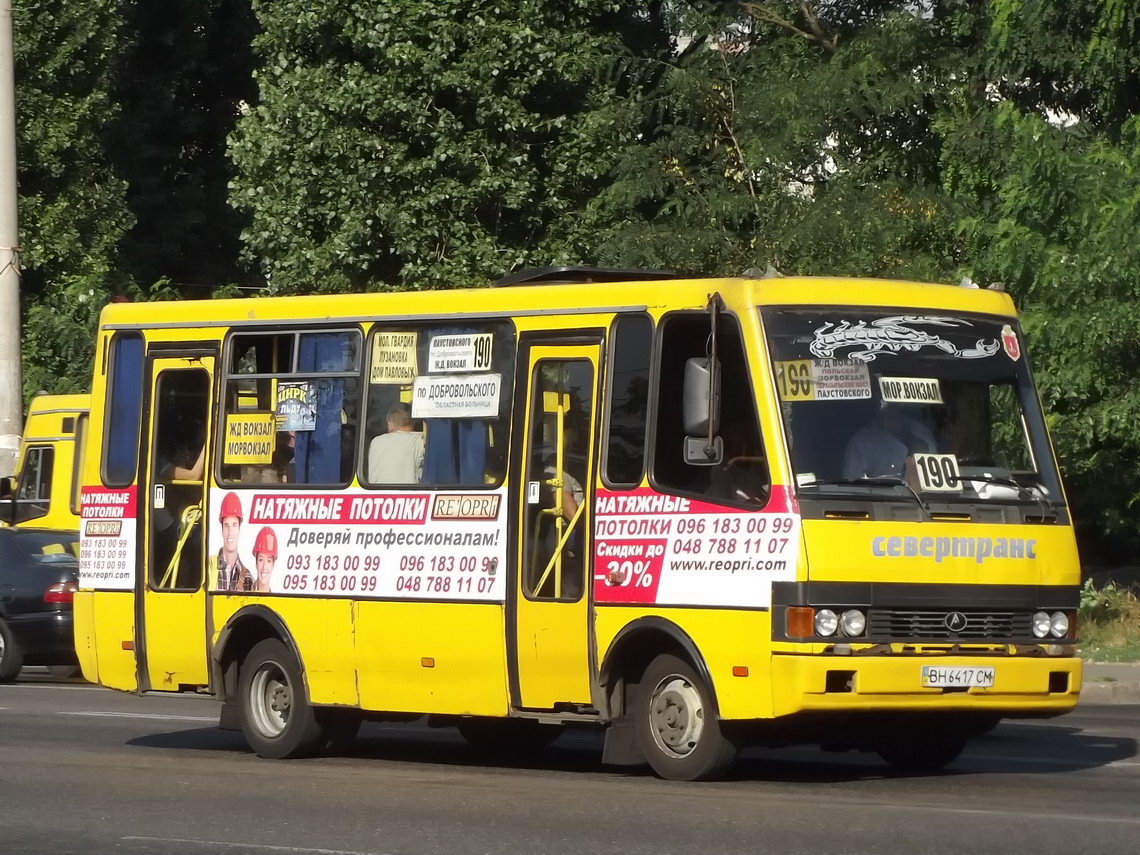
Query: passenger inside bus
pixel 880 448
pixel 397 456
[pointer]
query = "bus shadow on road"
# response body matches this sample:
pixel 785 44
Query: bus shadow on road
pixel 1010 749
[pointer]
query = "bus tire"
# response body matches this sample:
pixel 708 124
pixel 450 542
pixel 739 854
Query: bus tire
pixel 276 717
pixel 507 735
pixel 913 749
pixel 11 657
pixel 676 723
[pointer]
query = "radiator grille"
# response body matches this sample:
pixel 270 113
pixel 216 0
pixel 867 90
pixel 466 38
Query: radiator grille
pixel 906 624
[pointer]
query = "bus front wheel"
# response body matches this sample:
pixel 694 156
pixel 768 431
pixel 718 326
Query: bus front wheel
pixel 277 720
pixel 676 725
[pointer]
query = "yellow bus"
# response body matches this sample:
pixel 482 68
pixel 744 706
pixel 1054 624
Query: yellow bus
pixel 45 490
pixel 699 513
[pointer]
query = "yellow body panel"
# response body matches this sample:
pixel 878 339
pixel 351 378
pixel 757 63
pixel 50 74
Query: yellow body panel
pixel 846 551
pixel 1021 684
pixel 431 657
pixel 83 614
pixel 726 638
pixel 322 629
pixel 176 640
pixel 114 613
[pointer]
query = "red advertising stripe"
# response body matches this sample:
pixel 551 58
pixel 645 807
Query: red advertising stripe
pixel 111 504
pixel 335 508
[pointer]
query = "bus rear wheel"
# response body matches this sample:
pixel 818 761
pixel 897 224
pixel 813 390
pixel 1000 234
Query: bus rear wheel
pixel 676 723
pixel 276 718
pixel 913 749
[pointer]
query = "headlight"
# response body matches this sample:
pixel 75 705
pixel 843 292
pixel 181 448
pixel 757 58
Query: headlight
pixel 1059 624
pixel 826 622
pixel 852 622
pixel 1042 623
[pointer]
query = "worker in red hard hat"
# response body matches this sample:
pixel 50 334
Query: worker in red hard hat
pixel 232 574
pixel 265 557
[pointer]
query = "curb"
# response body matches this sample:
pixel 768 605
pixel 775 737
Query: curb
pixel 1111 683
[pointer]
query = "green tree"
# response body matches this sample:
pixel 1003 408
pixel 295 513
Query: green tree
pixel 420 143
pixel 72 205
pixel 182 72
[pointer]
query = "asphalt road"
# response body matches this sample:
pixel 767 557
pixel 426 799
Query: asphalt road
pixel 86 770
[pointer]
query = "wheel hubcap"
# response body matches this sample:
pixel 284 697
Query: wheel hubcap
pixel 676 716
pixel 270 700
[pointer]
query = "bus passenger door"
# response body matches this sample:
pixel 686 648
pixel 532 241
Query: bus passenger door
pixel 171 641
pixel 552 651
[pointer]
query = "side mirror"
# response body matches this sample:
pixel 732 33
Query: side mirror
pixel 701 396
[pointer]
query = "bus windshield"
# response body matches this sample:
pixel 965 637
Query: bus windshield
pixel 917 401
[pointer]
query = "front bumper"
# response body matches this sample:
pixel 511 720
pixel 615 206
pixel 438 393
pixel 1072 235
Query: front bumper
pixel 1028 686
pixel 45 638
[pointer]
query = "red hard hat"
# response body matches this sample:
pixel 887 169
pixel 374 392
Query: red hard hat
pixel 266 543
pixel 231 507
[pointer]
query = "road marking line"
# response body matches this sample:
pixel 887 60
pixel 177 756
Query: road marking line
pixel 94 714
pixel 1051 817
pixel 54 686
pixel 992 758
pixel 263 846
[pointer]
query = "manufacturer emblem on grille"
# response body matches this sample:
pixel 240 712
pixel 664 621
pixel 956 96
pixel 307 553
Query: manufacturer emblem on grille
pixel 956 621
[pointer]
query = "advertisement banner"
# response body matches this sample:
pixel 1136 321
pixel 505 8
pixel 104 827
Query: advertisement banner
pixel 669 550
pixel 296 406
pixel 357 543
pixel 107 538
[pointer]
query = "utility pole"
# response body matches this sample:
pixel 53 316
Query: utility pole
pixel 11 398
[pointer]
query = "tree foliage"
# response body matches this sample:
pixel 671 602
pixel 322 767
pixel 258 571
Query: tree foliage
pixel 421 143
pixel 73 213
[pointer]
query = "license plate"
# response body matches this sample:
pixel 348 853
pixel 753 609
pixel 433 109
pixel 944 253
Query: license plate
pixel 957 677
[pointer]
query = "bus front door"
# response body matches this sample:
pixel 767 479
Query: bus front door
pixel 552 597
pixel 171 640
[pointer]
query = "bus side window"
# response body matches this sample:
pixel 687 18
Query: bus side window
pixel 33 496
pixel 124 411
pixel 631 349
pixel 419 438
pixel 742 477
pixel 296 394
pixel 77 463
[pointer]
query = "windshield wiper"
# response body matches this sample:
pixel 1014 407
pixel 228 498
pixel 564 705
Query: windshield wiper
pixel 1044 502
pixel 868 482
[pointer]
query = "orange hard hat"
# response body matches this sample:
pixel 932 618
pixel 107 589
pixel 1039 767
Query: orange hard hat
pixel 231 507
pixel 266 543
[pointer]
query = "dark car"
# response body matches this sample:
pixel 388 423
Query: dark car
pixel 39 575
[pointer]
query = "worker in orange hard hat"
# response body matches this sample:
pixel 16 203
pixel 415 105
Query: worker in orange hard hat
pixel 264 557
pixel 232 574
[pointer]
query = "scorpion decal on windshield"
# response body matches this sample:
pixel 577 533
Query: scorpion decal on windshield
pixel 893 335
